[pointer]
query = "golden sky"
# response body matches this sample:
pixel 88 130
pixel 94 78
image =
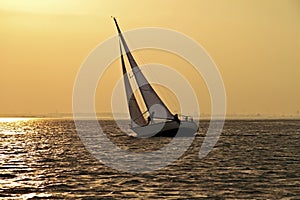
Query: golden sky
pixel 255 44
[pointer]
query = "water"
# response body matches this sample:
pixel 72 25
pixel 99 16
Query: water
pixel 44 158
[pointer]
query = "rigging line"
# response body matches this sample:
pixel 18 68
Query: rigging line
pixel 140 115
pixel 135 90
pixel 132 99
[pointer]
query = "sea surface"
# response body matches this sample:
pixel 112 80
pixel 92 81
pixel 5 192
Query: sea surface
pixel 253 159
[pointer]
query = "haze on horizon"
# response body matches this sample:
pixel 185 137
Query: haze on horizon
pixel 255 45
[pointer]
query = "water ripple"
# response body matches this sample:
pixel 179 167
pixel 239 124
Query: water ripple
pixel 254 159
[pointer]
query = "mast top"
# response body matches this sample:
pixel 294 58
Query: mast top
pixel 114 18
pixel 118 28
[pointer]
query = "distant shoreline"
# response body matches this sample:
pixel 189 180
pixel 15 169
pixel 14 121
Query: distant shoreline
pixel 108 116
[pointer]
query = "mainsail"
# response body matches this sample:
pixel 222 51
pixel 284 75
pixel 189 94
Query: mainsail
pixel 154 104
pixel 134 109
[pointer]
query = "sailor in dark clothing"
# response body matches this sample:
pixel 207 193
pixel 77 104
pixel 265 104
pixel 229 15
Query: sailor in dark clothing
pixel 176 119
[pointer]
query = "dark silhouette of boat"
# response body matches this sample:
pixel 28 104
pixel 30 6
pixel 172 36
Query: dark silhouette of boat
pixel 157 120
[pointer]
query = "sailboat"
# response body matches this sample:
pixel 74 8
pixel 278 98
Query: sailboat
pixel 157 120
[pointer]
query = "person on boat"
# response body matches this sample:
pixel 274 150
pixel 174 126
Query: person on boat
pixel 151 117
pixel 176 119
pixel 149 120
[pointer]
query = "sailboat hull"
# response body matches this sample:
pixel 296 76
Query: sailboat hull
pixel 167 129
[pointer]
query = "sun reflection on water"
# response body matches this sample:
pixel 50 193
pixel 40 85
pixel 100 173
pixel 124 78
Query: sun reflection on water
pixel 14 119
pixel 16 125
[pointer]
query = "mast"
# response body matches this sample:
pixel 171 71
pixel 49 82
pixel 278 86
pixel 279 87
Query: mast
pixel 129 55
pixel 149 95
